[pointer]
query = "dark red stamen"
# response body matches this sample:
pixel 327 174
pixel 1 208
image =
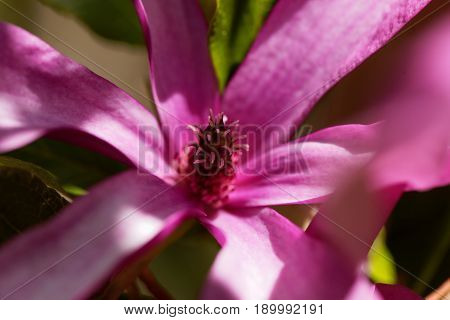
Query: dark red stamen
pixel 208 166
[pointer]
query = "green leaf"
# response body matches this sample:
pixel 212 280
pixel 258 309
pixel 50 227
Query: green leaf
pixel 381 262
pixel 234 28
pixel 76 168
pixel 29 196
pixel 112 19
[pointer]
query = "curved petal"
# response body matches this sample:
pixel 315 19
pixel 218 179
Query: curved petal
pixel 70 256
pixel 418 111
pixel 408 159
pixel 276 260
pixel 411 160
pixel 183 81
pixel 414 153
pixel 304 48
pixel 306 170
pixel 42 91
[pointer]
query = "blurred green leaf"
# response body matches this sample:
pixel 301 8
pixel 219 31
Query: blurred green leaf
pixel 29 195
pixel 234 28
pixel 112 19
pixel 182 267
pixel 381 262
pixel 76 168
pixel 418 236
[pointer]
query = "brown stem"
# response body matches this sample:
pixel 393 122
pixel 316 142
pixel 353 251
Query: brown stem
pixel 158 291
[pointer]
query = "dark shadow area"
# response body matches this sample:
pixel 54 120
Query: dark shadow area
pixel 418 236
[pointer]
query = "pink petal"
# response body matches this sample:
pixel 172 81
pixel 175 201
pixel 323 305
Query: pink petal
pixel 304 48
pixel 409 158
pixel 70 256
pixel 414 148
pixel 306 170
pixel 417 137
pixel 183 81
pixel 415 63
pixel 42 91
pixel 396 292
pixel 265 256
pixel 355 214
pixel 352 218
pixel 416 152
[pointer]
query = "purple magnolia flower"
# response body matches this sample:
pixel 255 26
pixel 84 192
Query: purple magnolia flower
pixel 304 48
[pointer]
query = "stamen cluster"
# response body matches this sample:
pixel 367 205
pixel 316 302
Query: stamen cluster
pixel 208 166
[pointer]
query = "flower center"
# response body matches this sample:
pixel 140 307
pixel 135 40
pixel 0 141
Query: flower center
pixel 208 165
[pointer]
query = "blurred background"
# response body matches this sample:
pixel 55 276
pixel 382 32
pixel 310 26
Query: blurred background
pixel 417 237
